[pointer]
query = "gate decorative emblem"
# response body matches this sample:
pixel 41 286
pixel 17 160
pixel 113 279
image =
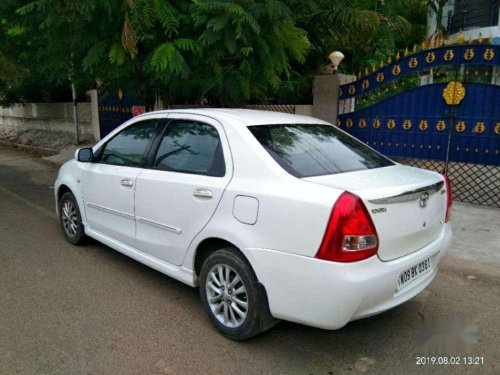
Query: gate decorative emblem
pixel 469 54
pixel 380 77
pixel 407 125
pixel 460 126
pixel 431 56
pixel 489 54
pixel 391 124
pixel 449 55
pixel 441 125
pixel 453 93
pixel 396 69
pixel 423 125
pixel 413 62
pixel 479 128
pixel 376 123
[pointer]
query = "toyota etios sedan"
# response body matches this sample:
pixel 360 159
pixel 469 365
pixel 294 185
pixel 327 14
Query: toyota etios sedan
pixel 274 216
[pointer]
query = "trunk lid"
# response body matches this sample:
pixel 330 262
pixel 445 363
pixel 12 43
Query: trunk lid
pixel 407 205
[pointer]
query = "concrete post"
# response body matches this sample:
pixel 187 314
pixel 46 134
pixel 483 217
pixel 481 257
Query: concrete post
pixel 326 94
pixel 326 103
pixel 158 104
pixel 94 107
pixel 75 114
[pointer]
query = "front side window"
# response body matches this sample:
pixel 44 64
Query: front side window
pixel 191 147
pixel 129 147
pixel 316 150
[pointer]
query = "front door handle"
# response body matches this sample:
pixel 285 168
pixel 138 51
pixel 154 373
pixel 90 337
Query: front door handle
pixel 203 193
pixel 126 182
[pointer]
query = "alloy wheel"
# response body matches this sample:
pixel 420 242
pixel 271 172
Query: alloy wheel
pixel 69 218
pixel 227 295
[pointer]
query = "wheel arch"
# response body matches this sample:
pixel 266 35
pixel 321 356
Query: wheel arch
pixel 209 246
pixel 61 190
pixel 70 184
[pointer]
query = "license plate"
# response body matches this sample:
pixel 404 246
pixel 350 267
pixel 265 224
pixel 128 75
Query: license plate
pixel 414 272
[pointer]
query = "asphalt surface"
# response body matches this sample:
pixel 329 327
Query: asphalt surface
pixel 91 310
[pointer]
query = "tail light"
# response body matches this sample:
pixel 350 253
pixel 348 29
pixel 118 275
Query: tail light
pixel 449 198
pixel 350 234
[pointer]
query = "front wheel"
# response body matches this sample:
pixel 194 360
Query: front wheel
pixel 71 220
pixel 232 297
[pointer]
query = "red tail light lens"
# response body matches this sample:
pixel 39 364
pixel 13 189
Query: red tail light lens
pixel 449 198
pixel 350 235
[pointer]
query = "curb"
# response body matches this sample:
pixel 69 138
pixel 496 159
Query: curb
pixel 31 149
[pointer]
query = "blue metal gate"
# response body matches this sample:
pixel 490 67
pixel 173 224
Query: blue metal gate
pixel 419 124
pixel 115 108
pixel 452 124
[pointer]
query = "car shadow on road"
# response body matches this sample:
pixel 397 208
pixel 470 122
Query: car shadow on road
pixel 386 333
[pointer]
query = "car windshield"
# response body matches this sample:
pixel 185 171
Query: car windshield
pixel 307 150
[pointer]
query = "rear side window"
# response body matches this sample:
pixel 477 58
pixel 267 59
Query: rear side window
pixel 129 147
pixel 316 150
pixel 191 147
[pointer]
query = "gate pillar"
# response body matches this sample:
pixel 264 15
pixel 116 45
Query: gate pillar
pixel 325 97
pixel 94 106
pixel 326 91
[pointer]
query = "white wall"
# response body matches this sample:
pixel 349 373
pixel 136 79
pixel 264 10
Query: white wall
pixel 431 17
pixel 57 117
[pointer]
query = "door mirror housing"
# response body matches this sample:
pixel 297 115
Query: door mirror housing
pixel 85 155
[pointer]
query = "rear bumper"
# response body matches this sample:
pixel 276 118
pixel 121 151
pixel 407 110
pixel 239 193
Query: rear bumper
pixel 328 294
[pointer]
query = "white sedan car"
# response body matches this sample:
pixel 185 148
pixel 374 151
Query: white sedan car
pixel 274 216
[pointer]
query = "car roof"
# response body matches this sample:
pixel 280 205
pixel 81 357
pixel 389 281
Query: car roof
pixel 246 116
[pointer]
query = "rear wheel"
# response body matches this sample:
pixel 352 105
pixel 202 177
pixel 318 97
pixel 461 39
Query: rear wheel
pixel 232 297
pixel 71 220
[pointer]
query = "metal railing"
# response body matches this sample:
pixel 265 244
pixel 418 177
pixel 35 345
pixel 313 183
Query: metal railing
pixel 471 18
pixel 470 183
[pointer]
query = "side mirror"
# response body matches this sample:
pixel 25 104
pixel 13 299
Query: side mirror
pixel 85 155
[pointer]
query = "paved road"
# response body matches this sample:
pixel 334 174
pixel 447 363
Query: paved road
pixel 91 310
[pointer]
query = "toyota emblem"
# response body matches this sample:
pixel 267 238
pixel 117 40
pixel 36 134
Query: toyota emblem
pixel 423 200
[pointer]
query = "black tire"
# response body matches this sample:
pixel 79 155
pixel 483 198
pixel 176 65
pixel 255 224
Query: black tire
pixel 75 236
pixel 258 317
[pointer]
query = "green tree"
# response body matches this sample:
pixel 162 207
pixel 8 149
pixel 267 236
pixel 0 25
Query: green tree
pixel 47 41
pixel 366 31
pixel 226 52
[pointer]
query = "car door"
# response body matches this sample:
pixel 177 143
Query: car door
pixel 179 192
pixel 109 182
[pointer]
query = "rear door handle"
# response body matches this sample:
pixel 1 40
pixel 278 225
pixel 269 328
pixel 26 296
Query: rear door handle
pixel 126 182
pixel 203 193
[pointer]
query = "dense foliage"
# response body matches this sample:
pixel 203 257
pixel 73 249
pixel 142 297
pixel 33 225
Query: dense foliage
pixel 223 52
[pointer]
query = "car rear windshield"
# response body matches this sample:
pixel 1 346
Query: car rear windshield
pixel 314 150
